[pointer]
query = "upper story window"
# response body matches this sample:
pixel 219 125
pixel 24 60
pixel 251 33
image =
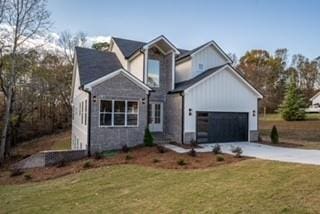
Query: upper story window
pixel 200 67
pixel 153 73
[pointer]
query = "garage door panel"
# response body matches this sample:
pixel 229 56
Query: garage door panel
pixel 222 127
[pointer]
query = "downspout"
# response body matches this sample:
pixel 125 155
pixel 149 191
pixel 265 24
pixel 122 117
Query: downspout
pixel 182 117
pixel 89 121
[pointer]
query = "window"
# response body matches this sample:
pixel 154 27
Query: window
pixel 118 113
pixel 200 66
pixel 132 113
pixel 85 112
pixel 106 113
pixel 153 73
pixel 79 108
pixel 73 112
pixel 82 112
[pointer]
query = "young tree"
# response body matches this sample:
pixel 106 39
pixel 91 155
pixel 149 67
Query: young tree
pixel 293 105
pixel 26 19
pixel 101 46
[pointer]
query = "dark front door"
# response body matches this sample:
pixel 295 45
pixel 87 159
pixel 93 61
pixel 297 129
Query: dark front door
pixel 222 127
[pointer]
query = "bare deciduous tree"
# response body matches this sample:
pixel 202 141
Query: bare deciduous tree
pixel 26 20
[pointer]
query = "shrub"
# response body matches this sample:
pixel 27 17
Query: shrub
pixel 181 162
pixel 148 139
pixel 87 164
pixel 16 172
pixel 156 160
pixel 61 163
pixel 237 151
pixel 98 155
pixel 274 136
pixel 129 157
pixel 125 148
pixel 27 177
pixel 216 149
pixel 193 143
pixel 161 149
pixel 220 158
pixel 192 153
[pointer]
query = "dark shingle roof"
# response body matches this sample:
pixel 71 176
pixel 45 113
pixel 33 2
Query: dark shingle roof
pixel 128 47
pixel 181 86
pixel 186 53
pixel 94 64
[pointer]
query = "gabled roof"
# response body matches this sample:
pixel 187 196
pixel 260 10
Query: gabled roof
pixel 315 96
pixel 128 47
pixel 95 64
pixel 187 85
pixel 181 86
pixel 187 54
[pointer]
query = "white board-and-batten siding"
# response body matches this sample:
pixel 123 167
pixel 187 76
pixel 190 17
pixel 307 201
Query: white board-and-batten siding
pixel 221 92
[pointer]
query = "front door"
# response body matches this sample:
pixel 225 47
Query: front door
pixel 155 116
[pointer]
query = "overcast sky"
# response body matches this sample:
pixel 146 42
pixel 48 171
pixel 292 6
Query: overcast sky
pixel 237 26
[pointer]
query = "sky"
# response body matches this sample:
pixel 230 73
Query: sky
pixel 237 26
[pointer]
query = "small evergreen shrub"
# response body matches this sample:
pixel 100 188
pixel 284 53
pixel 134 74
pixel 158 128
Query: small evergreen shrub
pixel 16 172
pixel 98 156
pixel 148 139
pixel 237 151
pixel 27 177
pixel 161 149
pixel 216 149
pixel 193 143
pixel 156 160
pixel 192 153
pixel 87 165
pixel 220 158
pixel 125 148
pixel 274 136
pixel 129 157
pixel 181 162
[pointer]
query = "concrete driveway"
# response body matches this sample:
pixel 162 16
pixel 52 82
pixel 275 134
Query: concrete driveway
pixel 266 152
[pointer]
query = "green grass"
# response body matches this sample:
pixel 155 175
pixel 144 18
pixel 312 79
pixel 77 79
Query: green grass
pixel 251 186
pixel 305 132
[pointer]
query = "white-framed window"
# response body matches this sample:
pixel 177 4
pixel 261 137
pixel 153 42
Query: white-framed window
pixel 77 146
pixel 153 73
pixel 119 113
pixel 85 112
pixel 200 67
pixel 80 109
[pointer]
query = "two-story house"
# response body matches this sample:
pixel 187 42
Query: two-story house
pixel 181 95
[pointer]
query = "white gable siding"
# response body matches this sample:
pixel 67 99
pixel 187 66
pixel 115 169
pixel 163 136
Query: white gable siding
pixel 79 130
pixel 316 100
pixel 209 57
pixel 222 92
pixel 136 66
pixel 115 49
pixel 183 71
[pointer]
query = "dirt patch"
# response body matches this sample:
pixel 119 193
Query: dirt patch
pixel 150 157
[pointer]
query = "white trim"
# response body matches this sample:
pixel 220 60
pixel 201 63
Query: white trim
pixel 215 45
pixel 315 96
pixel 173 71
pixel 149 44
pixel 113 74
pixel 235 72
pixel 146 57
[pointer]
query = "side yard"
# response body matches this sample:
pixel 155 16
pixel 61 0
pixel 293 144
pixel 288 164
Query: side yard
pixel 305 133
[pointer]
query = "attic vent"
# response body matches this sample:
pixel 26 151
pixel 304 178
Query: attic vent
pixel 200 66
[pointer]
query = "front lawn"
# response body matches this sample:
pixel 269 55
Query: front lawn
pixel 249 186
pixel 305 133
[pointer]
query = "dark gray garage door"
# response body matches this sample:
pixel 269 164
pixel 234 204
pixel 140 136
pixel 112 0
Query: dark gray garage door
pixel 222 127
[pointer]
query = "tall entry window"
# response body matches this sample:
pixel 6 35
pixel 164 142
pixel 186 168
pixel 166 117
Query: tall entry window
pixel 153 73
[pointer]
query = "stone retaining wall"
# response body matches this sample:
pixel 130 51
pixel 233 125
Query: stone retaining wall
pixel 49 158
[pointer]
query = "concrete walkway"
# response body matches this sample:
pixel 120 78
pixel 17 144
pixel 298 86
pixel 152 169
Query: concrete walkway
pixel 261 151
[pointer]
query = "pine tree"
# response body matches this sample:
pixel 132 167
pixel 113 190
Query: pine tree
pixel 293 104
pixel 148 139
pixel 274 135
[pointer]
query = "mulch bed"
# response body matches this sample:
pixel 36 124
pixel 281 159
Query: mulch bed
pixel 282 144
pixel 145 156
pixel 186 146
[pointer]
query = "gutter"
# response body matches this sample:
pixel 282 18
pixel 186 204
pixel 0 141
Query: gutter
pixel 182 118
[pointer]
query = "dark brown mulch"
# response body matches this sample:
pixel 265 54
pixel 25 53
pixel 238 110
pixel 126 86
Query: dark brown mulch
pixel 186 146
pixel 145 156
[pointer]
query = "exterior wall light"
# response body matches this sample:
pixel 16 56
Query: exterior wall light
pixel 190 111
pixel 143 100
pixel 94 99
pixel 253 113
